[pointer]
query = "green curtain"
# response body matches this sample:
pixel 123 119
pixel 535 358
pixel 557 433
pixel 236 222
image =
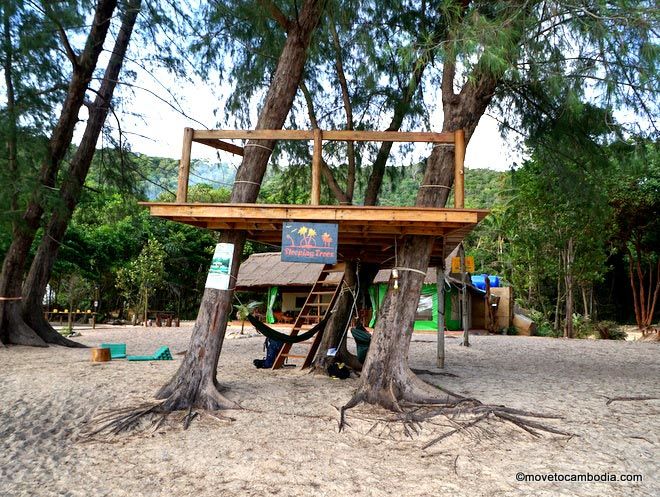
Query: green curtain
pixel 270 302
pixel 373 296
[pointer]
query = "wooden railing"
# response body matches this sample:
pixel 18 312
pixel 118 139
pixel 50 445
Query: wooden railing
pixel 215 139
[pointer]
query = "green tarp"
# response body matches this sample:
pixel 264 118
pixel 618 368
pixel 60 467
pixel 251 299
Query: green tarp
pixel 427 308
pixel 270 302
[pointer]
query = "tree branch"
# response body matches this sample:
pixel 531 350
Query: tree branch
pixel 325 169
pixel 276 14
pixel 348 108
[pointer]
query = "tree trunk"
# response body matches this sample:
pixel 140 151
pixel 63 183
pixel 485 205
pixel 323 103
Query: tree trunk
pixel 558 306
pixel 195 383
pixel 12 328
pixel 569 256
pixel 12 132
pixel 335 334
pixel 585 303
pixel 386 377
pixel 42 265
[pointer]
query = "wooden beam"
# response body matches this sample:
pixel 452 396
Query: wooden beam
pixel 184 166
pixel 321 213
pixel 339 135
pixel 316 167
pixel 221 145
pixel 258 134
pixel 459 169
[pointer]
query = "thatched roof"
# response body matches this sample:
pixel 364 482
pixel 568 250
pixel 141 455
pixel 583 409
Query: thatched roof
pixel 263 270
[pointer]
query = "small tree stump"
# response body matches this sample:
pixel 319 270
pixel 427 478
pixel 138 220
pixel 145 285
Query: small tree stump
pixel 100 355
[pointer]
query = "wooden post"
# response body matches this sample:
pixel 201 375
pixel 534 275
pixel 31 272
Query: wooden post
pixel 316 167
pixel 440 290
pixel 459 169
pixel 464 298
pixel 184 166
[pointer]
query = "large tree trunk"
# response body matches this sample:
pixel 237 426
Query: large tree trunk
pixel 336 334
pixel 12 328
pixel 12 125
pixel 386 377
pixel 339 320
pixel 195 383
pixel 40 271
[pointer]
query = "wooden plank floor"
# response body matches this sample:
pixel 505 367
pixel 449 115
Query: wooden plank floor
pixel 367 233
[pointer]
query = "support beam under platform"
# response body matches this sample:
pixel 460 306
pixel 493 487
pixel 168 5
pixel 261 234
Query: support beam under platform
pixel 365 233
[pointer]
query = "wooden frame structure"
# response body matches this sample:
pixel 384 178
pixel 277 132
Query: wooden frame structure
pixel 365 233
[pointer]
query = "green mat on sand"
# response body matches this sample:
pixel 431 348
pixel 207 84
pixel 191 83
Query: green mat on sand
pixel 117 350
pixel 162 354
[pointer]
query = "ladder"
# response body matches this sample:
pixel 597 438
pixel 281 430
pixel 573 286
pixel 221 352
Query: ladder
pixel 319 302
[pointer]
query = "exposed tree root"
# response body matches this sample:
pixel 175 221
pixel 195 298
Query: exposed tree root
pixel 434 373
pixel 628 399
pixel 47 333
pixel 149 416
pixel 412 402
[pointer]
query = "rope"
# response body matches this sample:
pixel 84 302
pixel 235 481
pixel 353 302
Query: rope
pixel 435 186
pixel 410 269
pixel 353 306
pixel 257 145
pixel 11 298
pixel 246 181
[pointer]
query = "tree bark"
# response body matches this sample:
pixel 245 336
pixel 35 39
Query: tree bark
pixel 569 256
pixel 12 132
pixel 335 334
pixel 41 269
pixel 195 383
pixel 386 377
pixel 12 328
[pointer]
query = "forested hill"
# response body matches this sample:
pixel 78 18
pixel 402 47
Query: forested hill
pixel 159 174
pixel 482 188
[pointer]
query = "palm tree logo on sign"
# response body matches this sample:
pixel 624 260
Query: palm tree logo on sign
pixel 309 242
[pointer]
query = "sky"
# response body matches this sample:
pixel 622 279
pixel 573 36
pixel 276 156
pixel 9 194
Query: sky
pixel 155 128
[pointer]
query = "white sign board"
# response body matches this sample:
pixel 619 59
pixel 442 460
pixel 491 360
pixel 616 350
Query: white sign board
pixel 218 277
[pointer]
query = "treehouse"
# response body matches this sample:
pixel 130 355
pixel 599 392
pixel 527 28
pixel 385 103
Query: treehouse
pixel 365 233
pixel 307 233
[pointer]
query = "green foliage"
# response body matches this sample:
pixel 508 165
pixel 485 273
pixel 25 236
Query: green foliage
pixel 142 276
pixel 609 330
pixel 582 327
pixel 242 310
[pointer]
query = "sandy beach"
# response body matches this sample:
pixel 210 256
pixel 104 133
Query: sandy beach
pixel 286 442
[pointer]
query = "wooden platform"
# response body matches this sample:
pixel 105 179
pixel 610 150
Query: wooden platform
pixel 365 233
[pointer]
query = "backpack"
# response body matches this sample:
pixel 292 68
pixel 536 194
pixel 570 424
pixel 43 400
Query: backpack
pixel 272 348
pixel 340 371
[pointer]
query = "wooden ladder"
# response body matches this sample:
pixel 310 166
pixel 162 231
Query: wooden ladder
pixel 315 308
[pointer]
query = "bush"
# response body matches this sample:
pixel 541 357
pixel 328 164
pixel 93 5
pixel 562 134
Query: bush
pixel 544 327
pixel 609 330
pixel 511 330
pixel 582 327
pixel 545 330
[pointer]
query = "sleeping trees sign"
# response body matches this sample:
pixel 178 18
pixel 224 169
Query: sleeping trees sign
pixel 309 242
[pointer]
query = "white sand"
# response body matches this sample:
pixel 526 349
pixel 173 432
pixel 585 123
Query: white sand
pixel 292 447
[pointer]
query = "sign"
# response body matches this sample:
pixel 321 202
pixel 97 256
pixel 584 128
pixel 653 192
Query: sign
pixel 456 264
pixel 218 277
pixel 309 242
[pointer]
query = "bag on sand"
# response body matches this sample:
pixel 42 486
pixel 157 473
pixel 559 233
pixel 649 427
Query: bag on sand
pixel 339 370
pixel 272 348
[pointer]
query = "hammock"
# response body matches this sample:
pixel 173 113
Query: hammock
pixel 269 332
